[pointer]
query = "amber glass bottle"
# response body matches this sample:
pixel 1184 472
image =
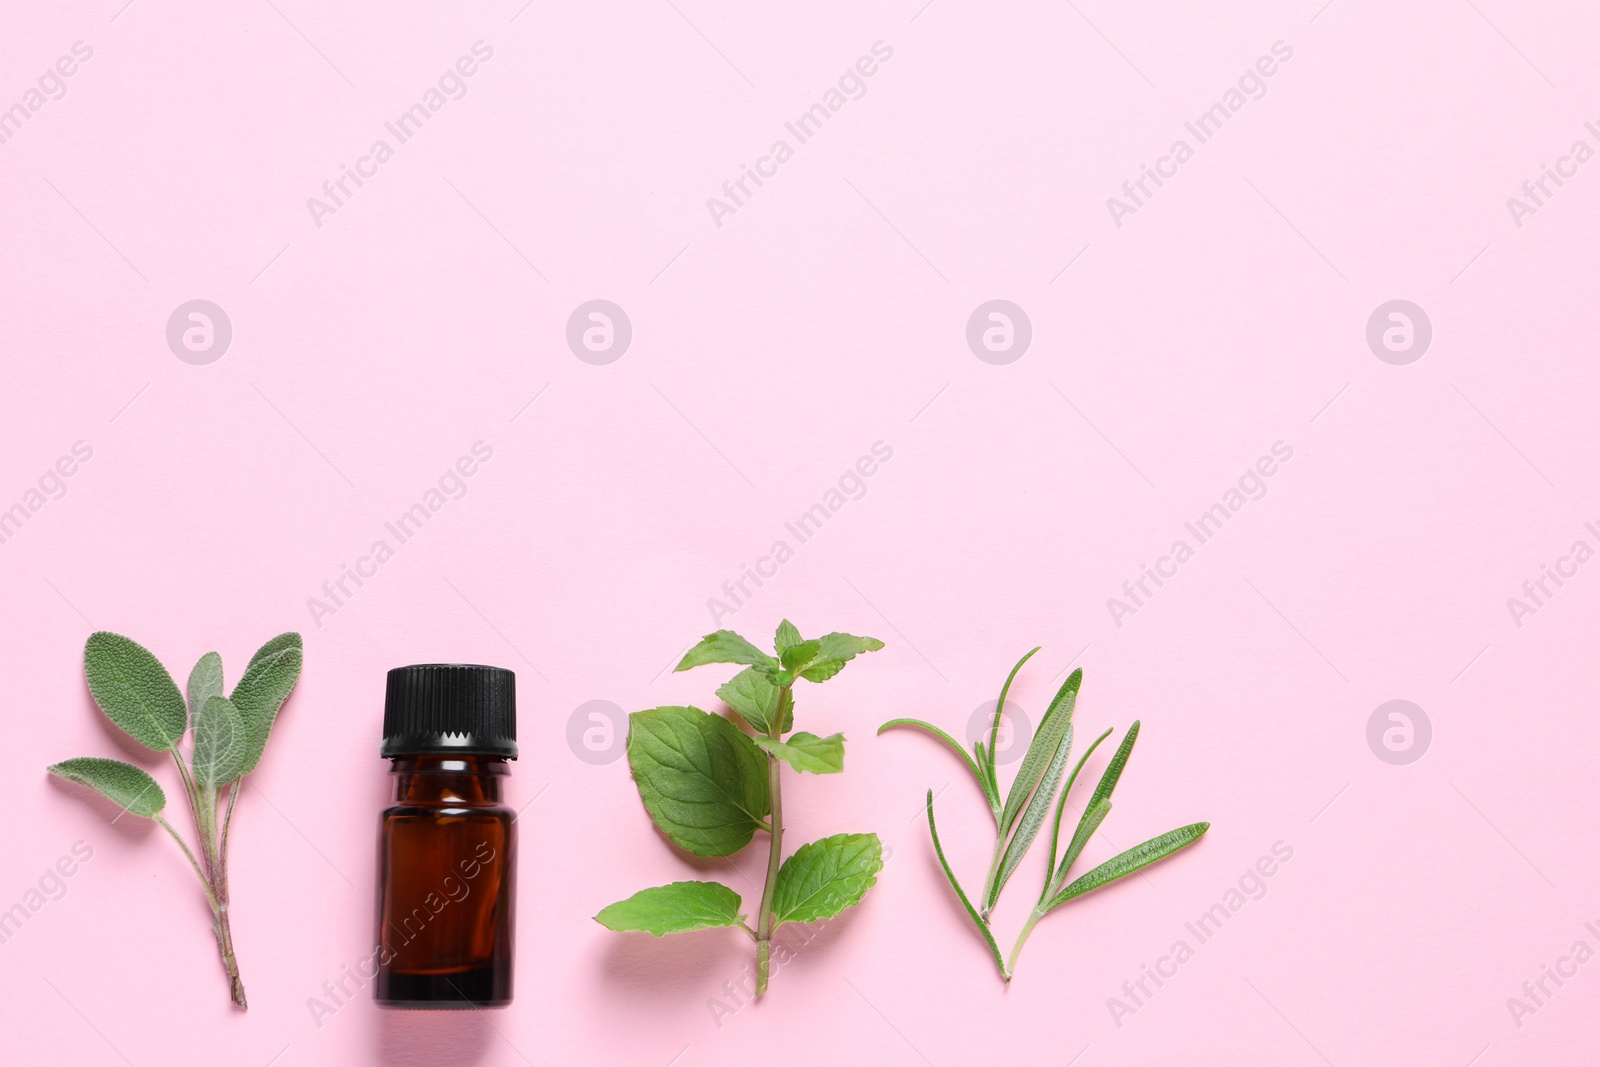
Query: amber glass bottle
pixel 447 848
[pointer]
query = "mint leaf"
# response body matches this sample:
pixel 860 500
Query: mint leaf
pixel 127 786
pixel 825 877
pixel 795 657
pixel 724 646
pixel 266 684
pixel 702 780
pixel 205 682
pixel 833 652
pixel 755 699
pixel 134 690
pixel 673 909
pixel 808 752
pixel 786 638
pixel 221 742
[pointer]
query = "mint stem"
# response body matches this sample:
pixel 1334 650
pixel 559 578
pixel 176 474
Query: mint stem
pixel 764 923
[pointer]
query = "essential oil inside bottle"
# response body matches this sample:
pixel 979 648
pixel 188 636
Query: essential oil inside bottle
pixel 447 848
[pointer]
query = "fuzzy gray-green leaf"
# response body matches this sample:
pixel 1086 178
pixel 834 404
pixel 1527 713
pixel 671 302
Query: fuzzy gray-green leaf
pixel 1041 751
pixel 808 752
pixel 1125 863
pixel 703 781
pixel 123 784
pixel 825 877
pixel 1032 817
pixel 673 909
pixel 134 690
pixel 205 682
pixel 267 683
pixel 755 699
pixel 221 743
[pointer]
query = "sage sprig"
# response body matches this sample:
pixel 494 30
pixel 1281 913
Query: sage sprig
pixel 711 787
pixel 229 735
pixel 1019 818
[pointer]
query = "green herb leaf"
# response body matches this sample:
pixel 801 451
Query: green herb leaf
pixel 134 690
pixel 966 757
pixel 281 643
pixel 205 682
pixel 262 691
pixel 703 781
pixel 1055 834
pixel 986 758
pixel 1032 817
pixel 775 674
pixel 795 657
pixel 1093 816
pixel 674 909
pixel 786 637
pixel 221 743
pixel 825 877
pixel 950 876
pixel 1113 771
pixel 833 652
pixel 125 785
pixel 1041 751
pixel 755 699
pixel 1125 863
pixel 808 752
pixel 724 646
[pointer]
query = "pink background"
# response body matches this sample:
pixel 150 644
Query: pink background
pixel 768 354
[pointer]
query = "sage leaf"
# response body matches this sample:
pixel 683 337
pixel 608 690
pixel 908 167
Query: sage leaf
pixel 724 646
pixel 808 752
pixel 833 652
pixel 134 690
pixel 125 785
pixel 1041 751
pixel 261 692
pixel 1125 863
pixel 281 643
pixel 755 699
pixel 1032 817
pixel 825 877
pixel 221 743
pixel 674 909
pixel 205 682
pixel 950 876
pixel 702 779
pixel 966 757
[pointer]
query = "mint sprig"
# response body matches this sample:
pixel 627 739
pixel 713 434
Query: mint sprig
pixel 135 691
pixel 710 787
pixel 1021 816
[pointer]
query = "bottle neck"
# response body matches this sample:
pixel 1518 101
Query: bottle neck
pixel 448 779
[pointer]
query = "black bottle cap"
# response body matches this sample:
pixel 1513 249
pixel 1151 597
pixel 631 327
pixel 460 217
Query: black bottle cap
pixel 446 709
